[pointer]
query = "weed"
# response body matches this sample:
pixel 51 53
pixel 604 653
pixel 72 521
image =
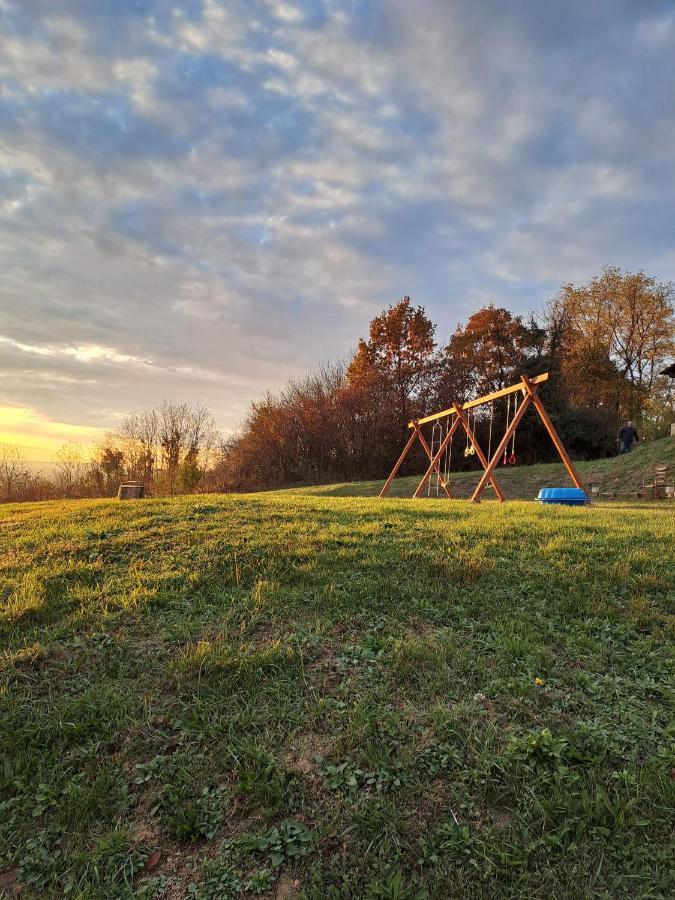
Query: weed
pixel 189 818
pixel 222 883
pixel 438 759
pixel 449 839
pixel 39 865
pixel 283 843
pixel 259 882
pixel 261 780
pixel 395 888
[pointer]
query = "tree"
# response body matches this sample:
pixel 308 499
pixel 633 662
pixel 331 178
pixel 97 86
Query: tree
pixel 107 468
pixel 398 358
pixel 612 336
pixel 14 476
pixel 70 469
pixel 139 432
pixel 489 352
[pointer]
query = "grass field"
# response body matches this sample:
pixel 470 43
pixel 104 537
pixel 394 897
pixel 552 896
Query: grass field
pixel 291 695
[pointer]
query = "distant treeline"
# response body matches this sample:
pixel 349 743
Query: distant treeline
pixel 173 449
pixel 604 344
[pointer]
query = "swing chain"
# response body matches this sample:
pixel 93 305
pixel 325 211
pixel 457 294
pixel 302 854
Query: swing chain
pixel 469 450
pixel 512 458
pixel 492 415
pixel 508 416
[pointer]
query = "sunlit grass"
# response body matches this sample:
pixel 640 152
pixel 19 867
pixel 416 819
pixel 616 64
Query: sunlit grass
pixel 471 701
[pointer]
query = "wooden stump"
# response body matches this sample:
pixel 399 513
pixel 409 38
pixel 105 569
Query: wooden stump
pixel 130 490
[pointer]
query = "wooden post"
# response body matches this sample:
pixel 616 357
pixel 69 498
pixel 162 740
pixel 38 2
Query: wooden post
pixel 553 434
pixel 492 465
pixel 434 464
pixel 399 461
pixel 481 456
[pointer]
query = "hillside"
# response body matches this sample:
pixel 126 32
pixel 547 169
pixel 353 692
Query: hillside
pixel 622 473
pixel 324 697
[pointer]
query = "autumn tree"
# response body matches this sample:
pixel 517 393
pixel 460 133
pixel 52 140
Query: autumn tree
pixel 397 361
pixel 612 336
pixel 300 434
pixel 487 353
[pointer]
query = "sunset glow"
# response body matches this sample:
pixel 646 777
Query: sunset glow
pixel 37 437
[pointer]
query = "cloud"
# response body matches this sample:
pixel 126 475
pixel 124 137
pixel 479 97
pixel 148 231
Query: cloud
pixel 85 353
pixel 199 201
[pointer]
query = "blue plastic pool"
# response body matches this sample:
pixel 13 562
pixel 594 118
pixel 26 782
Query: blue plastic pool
pixel 568 496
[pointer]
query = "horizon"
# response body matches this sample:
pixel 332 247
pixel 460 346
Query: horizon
pixel 203 203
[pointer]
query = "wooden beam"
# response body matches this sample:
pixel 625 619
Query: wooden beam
pixel 553 434
pixel 434 463
pixel 399 461
pixel 492 465
pixel 479 451
pixel 512 389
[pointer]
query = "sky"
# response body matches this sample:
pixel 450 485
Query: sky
pixel 201 199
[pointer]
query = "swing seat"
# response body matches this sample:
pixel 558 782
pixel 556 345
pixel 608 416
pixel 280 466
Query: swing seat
pixel 566 496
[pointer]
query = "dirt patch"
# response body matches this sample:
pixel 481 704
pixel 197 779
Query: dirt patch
pixel 9 886
pixel 287 888
pixel 435 802
pixel 301 755
pixel 502 818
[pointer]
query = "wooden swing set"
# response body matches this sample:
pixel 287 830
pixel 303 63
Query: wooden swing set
pixel 460 414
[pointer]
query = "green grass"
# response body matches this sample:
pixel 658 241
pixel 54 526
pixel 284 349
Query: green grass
pixel 375 699
pixel 622 474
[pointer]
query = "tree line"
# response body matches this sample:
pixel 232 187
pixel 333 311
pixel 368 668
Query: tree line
pixel 604 344
pixel 171 450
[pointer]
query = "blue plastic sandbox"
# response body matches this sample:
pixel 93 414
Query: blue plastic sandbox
pixel 567 496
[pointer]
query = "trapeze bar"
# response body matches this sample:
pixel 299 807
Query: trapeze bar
pixel 538 379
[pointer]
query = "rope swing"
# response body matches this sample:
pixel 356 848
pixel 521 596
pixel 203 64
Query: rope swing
pixel 508 415
pixel 492 415
pixel 510 459
pixel 448 450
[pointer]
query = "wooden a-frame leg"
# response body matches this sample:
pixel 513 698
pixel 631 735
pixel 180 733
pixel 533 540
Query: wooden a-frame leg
pixel 492 465
pixel 411 440
pixel 553 434
pixel 479 453
pixel 434 464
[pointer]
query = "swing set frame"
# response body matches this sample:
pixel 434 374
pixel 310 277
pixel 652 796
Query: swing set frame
pixel 528 388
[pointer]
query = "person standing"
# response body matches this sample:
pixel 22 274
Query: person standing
pixel 627 438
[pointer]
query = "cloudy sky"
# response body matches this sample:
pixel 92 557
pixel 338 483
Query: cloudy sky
pixel 199 199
